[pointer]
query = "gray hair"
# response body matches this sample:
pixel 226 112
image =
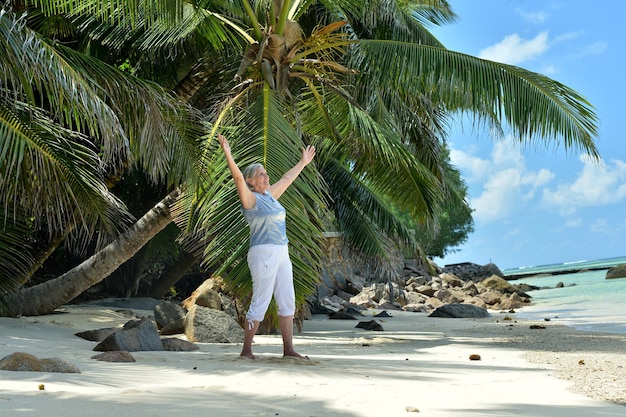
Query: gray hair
pixel 250 171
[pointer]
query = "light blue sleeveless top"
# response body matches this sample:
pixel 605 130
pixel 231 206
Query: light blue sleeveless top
pixel 267 221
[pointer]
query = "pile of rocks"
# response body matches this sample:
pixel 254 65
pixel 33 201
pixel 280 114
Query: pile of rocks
pixel 482 286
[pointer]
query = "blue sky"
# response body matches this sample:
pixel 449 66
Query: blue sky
pixel 542 204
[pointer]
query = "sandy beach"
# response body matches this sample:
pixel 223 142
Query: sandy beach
pixel 416 366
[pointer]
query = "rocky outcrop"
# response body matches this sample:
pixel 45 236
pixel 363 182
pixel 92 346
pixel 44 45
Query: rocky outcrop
pixel 422 294
pixel 468 271
pixel 618 271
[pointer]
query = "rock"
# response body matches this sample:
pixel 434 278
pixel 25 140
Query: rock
pixel 167 312
pixel 205 295
pixel 207 325
pixel 114 356
pixel 618 271
pixel 175 327
pixel 340 315
pixel 526 287
pixel 355 310
pixel 172 344
pixel 20 361
pixel 477 301
pixel 370 325
pixel 451 280
pixel 415 298
pixel 460 311
pixel 388 305
pixel 136 335
pixel 468 271
pixel 97 335
pixel 470 289
pixel 491 269
pixel 490 297
pixel 426 290
pixel 499 284
pixel 513 301
pixel 433 302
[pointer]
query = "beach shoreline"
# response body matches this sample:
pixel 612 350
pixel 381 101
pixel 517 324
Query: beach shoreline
pixel 417 364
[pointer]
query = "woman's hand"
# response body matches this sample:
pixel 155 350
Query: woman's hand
pixel 224 143
pixel 307 154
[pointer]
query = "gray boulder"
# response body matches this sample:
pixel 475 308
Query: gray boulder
pixel 136 335
pixel 460 311
pixel 618 271
pixel 172 344
pixel 468 271
pixel 167 312
pixel 499 284
pixel 207 325
pixel 97 335
pixel 20 361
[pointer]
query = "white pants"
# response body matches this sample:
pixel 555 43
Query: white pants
pixel 272 274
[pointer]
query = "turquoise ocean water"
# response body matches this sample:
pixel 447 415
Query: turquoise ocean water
pixel 587 301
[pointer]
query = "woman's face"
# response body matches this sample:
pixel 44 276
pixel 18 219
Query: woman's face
pixel 260 181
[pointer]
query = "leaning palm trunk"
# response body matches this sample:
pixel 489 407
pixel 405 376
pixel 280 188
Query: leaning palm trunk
pixel 46 297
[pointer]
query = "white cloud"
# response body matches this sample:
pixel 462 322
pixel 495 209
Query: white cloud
pixel 596 48
pixel 568 36
pixel 506 185
pixel 550 70
pixel 515 50
pixel 574 222
pixel 533 17
pixel 600 226
pixel 473 168
pixel 596 185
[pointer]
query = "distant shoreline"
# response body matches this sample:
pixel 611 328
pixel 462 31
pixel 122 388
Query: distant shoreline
pixel 574 267
pixel 530 274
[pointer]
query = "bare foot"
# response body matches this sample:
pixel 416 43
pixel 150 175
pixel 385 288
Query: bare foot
pixel 247 355
pixel 294 354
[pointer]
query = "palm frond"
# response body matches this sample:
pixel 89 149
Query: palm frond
pixel 375 150
pixel 138 13
pixel 163 131
pixel 362 216
pixel 15 242
pixel 31 69
pixel 68 187
pixel 504 94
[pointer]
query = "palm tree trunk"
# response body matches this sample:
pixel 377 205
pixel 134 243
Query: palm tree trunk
pixel 171 275
pixel 44 298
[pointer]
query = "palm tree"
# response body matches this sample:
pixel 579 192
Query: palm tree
pixel 365 81
pixel 69 127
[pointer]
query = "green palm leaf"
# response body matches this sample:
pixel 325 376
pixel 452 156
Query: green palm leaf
pixel 502 94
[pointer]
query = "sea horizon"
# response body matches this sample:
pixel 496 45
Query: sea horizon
pixel 583 264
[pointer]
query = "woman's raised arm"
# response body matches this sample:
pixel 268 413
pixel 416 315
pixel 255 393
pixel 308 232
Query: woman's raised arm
pixel 248 200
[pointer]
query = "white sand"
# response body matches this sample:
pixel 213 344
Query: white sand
pixel 417 363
